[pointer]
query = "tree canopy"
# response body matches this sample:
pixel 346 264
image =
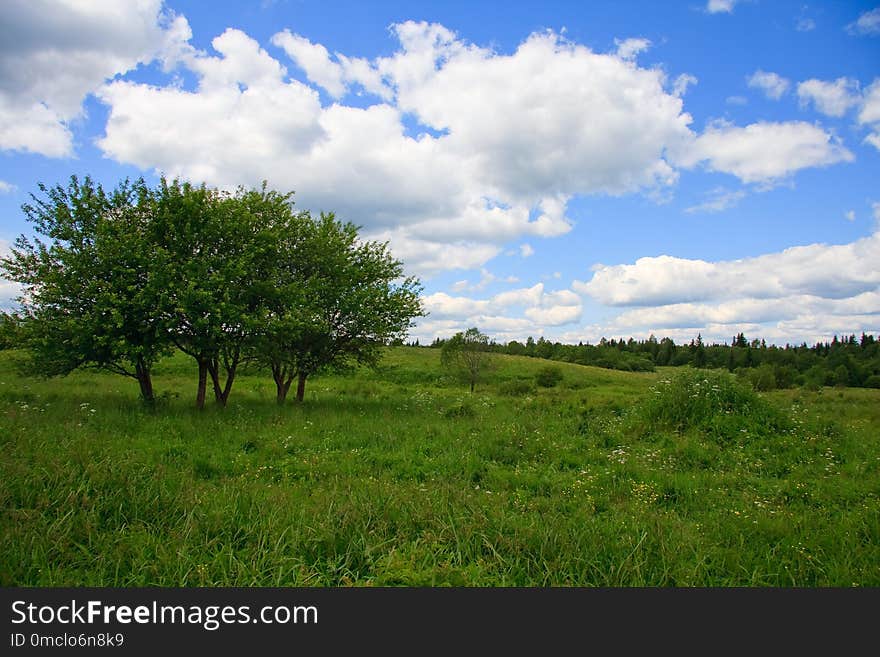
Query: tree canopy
pixel 90 293
pixel 116 280
pixel 467 354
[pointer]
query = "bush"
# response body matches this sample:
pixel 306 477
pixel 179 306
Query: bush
pixel 548 376
pixel 873 381
pixel 762 378
pixel 516 387
pixel 714 402
pixel 461 409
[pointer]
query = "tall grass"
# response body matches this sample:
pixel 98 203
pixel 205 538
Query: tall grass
pixel 401 477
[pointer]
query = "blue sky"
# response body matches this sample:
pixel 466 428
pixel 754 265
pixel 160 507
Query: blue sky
pixel 566 169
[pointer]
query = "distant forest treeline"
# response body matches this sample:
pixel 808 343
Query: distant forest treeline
pixel 847 361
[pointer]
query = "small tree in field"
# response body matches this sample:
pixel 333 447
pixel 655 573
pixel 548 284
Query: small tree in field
pixel 338 300
pixel 467 354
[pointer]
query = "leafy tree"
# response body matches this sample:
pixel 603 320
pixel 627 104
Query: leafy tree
pixel 91 291
pixel 10 331
pixel 340 301
pixel 219 249
pixel 467 354
pixel 666 352
pixel 699 352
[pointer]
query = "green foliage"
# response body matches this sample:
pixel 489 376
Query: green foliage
pixel 844 362
pixel 338 301
pixel 548 376
pixel 467 355
pixel 92 294
pixel 11 335
pixel 224 277
pixel 517 387
pixel 761 378
pixel 382 480
pixel 459 409
pixel 709 401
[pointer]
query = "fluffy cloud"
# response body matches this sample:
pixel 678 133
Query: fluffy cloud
pixel 749 311
pixel 720 6
pixel 53 54
pixel 486 279
pixel 630 48
pixel 827 271
pixel 764 152
pixel 335 77
pixel 869 114
pixel 774 86
pixel 427 257
pixel 835 98
pixel 870 111
pixel 526 132
pixel 539 308
pixel 830 98
pixel 6 188
pixel 801 294
pixel 867 23
pixel 681 84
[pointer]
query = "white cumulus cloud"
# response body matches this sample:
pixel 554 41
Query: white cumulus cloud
pixel 538 308
pixel 830 98
pixel 630 48
pixel 828 271
pixel 720 6
pixel 526 132
pixel 764 152
pixel 772 84
pixel 463 149
pixel 53 54
pixel 869 113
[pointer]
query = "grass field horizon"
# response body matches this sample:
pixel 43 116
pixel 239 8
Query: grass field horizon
pixel 398 476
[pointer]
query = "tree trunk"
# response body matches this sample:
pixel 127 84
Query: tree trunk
pixel 214 371
pixel 221 395
pixel 230 377
pixel 301 387
pixel 283 379
pixel 283 388
pixel 203 383
pixel 145 381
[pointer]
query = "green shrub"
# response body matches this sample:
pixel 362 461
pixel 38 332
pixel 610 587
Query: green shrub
pixel 762 378
pixel 548 376
pixel 714 402
pixel 517 387
pixel 461 409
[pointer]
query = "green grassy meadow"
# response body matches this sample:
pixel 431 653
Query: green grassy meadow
pixel 399 476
